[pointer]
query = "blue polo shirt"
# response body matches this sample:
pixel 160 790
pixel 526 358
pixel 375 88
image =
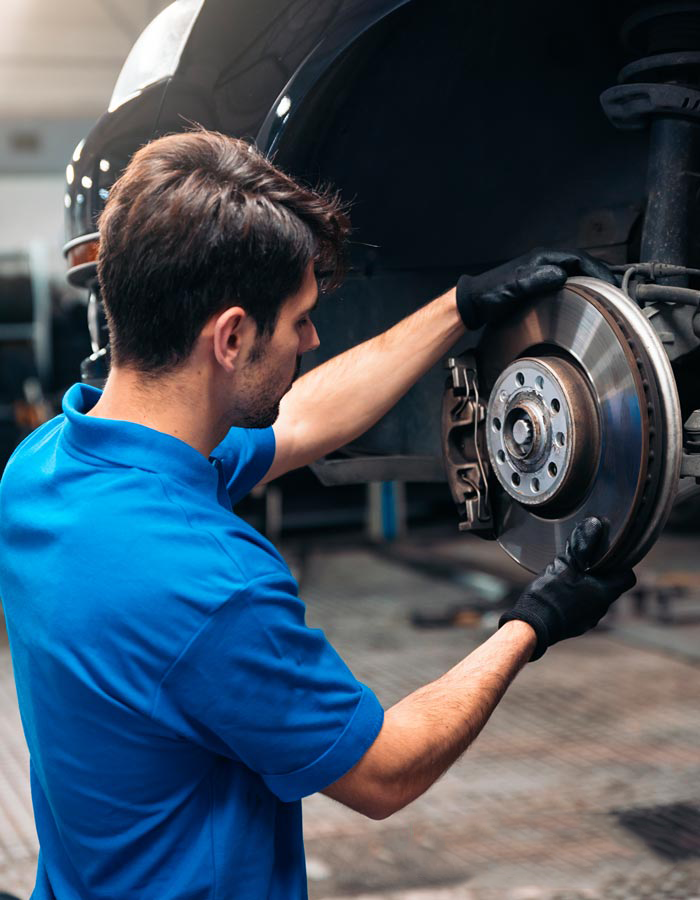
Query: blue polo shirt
pixel 175 703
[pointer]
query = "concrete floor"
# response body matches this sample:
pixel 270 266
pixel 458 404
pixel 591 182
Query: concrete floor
pixel 585 783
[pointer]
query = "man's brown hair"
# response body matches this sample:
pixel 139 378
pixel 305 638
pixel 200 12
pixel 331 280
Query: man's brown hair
pixel 198 222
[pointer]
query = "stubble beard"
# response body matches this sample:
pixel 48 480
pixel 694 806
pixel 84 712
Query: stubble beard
pixel 261 418
pixel 265 410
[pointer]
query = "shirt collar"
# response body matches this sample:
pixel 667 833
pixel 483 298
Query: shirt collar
pixel 129 444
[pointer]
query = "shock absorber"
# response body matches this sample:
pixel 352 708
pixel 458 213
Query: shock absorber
pixel 660 90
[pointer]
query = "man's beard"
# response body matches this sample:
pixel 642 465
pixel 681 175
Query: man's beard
pixel 261 418
pixel 267 409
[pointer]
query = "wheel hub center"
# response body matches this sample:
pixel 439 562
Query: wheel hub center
pixel 522 434
pixel 525 429
pixel 541 421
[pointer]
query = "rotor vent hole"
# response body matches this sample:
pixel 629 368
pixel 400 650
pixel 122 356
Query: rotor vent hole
pixel 501 456
pixel 552 469
pixel 561 440
pixel 520 379
pixel 496 424
pixel 539 381
pixel 535 485
pixel 515 478
pixel 556 406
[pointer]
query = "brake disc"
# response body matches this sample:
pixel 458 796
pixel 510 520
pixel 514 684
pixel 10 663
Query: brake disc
pixel 582 419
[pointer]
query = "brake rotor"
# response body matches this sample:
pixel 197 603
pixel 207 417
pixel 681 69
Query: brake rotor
pixel 583 419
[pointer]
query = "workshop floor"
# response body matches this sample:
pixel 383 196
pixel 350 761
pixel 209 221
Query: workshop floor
pixel 585 784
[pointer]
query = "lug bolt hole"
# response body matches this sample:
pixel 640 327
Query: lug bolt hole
pixel 552 469
pixel 535 485
pixel 539 381
pixel 520 378
pixel 515 478
pixel 556 405
pixel 496 424
pixel 501 456
pixel 561 440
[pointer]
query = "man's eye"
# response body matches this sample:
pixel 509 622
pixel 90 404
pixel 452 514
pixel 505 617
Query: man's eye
pixel 304 321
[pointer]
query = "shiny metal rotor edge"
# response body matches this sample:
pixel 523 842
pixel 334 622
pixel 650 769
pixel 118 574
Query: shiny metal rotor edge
pixel 668 395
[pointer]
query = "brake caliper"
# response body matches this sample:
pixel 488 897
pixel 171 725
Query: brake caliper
pixel 464 444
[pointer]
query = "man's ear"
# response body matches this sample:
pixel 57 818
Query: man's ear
pixel 233 331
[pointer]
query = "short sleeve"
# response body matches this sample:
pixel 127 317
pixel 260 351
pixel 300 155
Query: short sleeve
pixel 257 684
pixel 246 455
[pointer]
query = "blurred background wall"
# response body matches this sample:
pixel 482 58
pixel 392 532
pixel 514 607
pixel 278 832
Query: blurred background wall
pixel 58 65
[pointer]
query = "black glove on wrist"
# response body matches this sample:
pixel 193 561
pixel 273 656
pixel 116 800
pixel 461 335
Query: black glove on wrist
pixel 484 298
pixel 565 600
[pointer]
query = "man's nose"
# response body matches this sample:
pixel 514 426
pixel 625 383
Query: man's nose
pixel 312 341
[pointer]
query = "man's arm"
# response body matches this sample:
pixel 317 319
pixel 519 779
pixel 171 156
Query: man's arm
pixel 339 400
pixel 427 731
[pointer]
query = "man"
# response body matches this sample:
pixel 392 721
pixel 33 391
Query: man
pixel 175 704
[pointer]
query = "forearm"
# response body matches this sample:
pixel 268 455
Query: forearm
pixel 339 400
pixel 429 730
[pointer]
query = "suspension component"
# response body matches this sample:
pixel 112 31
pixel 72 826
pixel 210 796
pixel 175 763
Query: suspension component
pixel 659 90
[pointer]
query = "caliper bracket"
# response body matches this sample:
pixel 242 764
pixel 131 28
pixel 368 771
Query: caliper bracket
pixel 464 444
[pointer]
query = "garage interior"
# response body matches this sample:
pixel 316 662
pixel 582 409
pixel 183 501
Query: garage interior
pixel 585 782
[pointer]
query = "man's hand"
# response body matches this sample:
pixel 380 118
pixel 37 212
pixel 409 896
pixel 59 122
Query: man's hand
pixel 566 600
pixel 486 297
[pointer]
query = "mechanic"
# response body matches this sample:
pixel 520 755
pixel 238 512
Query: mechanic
pixel 176 706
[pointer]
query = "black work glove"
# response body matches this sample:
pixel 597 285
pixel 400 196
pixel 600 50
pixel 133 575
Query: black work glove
pixel 486 297
pixel 565 600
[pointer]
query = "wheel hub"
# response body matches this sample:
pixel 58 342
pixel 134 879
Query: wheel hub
pixel 582 419
pixel 542 431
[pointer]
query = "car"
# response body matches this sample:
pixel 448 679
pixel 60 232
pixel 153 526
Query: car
pixel 463 135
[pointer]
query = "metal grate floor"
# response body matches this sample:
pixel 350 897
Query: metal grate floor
pixel 18 842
